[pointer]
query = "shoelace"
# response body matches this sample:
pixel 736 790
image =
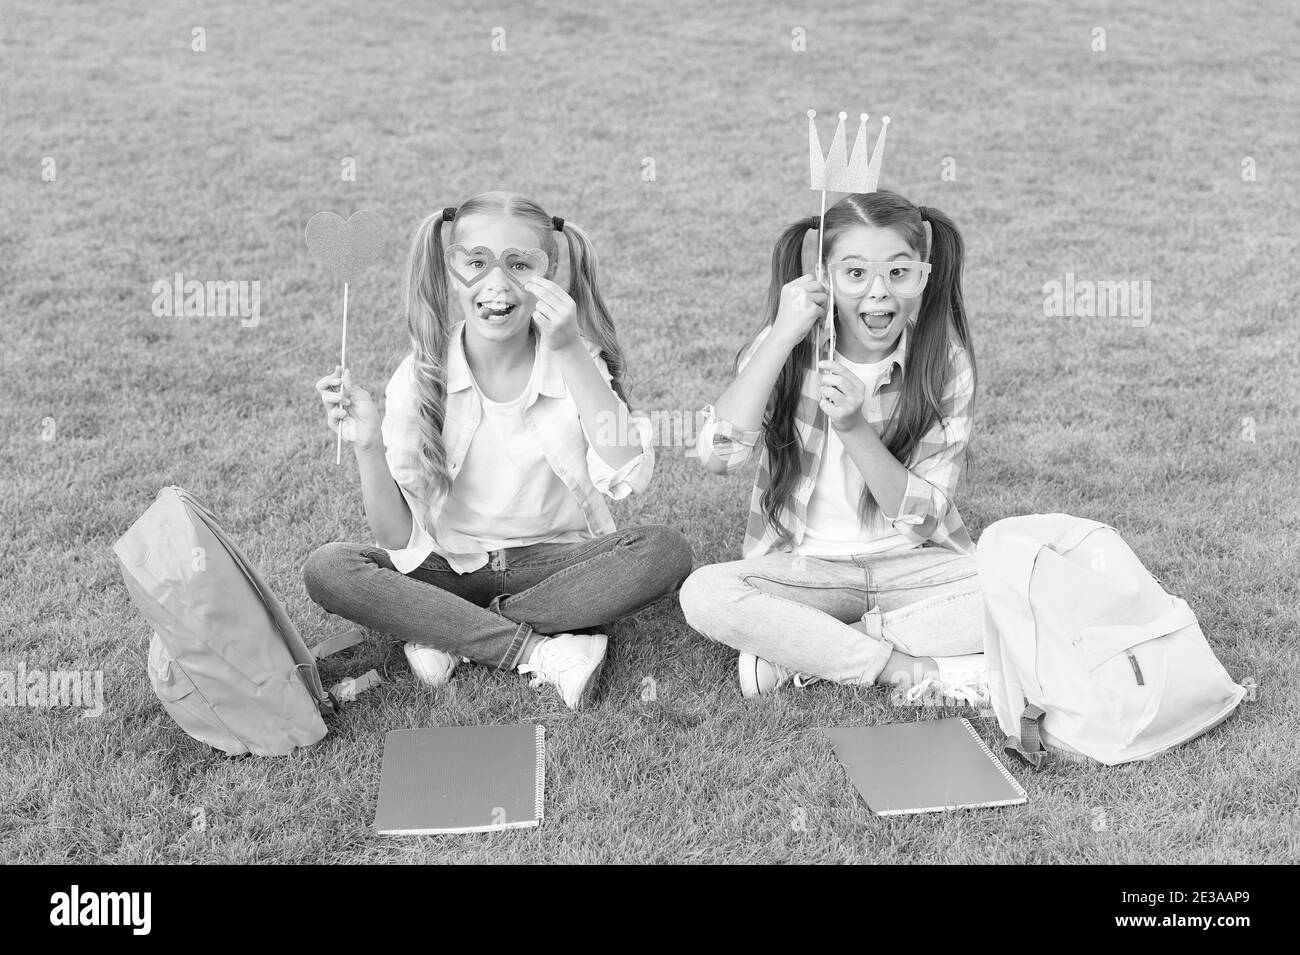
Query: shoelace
pixel 558 663
pixel 536 682
pixel 800 680
pixel 970 691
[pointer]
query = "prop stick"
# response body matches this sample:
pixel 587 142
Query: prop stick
pixel 346 249
pixel 343 364
pixel 829 321
pixel 836 172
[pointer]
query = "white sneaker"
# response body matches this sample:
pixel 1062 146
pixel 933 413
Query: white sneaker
pixel 759 676
pixel 431 666
pixel 570 662
pixel 961 680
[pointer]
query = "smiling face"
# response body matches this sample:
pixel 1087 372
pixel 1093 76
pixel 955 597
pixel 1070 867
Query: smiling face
pixel 494 307
pixel 868 323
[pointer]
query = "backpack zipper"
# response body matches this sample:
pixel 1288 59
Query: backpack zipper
pixel 1137 670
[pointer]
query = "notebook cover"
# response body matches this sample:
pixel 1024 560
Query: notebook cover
pixel 461 779
pixel 924 767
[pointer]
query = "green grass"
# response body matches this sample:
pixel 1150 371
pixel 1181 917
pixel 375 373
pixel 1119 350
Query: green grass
pixel 1113 165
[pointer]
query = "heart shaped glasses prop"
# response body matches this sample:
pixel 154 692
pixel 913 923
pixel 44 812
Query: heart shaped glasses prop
pixel 347 249
pixel 520 266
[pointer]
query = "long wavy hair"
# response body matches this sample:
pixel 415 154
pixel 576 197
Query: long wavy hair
pixel 941 319
pixel 429 321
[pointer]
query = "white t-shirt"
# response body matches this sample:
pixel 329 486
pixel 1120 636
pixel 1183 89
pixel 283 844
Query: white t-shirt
pixel 834 527
pixel 506 494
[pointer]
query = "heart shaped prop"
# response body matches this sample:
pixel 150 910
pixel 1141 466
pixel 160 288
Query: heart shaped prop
pixel 471 266
pixel 347 249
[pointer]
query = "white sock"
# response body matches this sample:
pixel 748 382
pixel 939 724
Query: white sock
pixel 532 657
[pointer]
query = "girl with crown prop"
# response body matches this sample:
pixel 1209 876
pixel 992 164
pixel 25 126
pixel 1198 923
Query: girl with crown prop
pixel 856 398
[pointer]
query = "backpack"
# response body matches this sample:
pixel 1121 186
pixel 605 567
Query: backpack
pixel 1087 654
pixel 225 660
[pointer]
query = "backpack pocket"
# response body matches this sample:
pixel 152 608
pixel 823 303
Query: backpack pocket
pixel 1129 667
pixel 1132 685
pixel 1100 644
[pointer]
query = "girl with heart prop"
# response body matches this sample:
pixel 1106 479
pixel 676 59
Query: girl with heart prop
pixel 503 431
pixel 857 567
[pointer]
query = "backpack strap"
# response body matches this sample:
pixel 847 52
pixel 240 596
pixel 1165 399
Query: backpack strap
pixel 311 680
pixel 346 691
pixel 1029 744
pixel 338 642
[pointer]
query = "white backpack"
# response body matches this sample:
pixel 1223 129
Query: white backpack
pixel 1079 635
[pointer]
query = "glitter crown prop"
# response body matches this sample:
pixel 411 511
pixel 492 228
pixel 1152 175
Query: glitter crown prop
pixel 837 172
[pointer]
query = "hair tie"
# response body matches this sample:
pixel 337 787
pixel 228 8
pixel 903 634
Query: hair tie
pixel 925 213
pixel 558 223
pixel 448 213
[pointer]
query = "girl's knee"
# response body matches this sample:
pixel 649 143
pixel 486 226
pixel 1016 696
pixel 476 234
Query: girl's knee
pixel 322 570
pixel 667 550
pixel 703 596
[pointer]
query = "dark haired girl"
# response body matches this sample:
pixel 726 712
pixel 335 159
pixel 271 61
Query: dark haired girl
pixel 857 567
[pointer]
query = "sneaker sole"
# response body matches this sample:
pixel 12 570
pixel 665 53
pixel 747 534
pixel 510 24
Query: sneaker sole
pixel 588 693
pixel 431 684
pixel 747 672
pixel 423 679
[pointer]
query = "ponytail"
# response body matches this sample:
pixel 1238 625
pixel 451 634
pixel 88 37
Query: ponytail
pixel 779 434
pixel 594 320
pixel 941 319
pixel 426 320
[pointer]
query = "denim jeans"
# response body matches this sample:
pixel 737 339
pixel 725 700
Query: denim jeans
pixel 796 611
pixel 488 614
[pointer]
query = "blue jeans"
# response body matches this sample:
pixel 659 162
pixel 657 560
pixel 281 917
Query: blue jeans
pixel 489 614
pixel 796 611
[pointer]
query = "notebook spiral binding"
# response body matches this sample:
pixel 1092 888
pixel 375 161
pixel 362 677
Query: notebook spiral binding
pixel 1006 773
pixel 539 784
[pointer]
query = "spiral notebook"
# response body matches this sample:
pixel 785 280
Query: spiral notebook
pixel 461 779
pixel 924 767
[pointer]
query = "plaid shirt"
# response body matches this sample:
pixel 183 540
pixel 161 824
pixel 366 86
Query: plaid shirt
pixel 927 512
pixel 549 414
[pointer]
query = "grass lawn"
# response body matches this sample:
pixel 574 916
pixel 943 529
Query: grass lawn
pixel 1113 165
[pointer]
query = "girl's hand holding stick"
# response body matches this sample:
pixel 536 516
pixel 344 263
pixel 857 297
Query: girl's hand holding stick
pixel 350 410
pixel 803 303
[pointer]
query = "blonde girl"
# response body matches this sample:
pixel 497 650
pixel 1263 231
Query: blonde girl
pixel 504 431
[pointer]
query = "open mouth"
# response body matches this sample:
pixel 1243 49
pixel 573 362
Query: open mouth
pixel 495 310
pixel 878 321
